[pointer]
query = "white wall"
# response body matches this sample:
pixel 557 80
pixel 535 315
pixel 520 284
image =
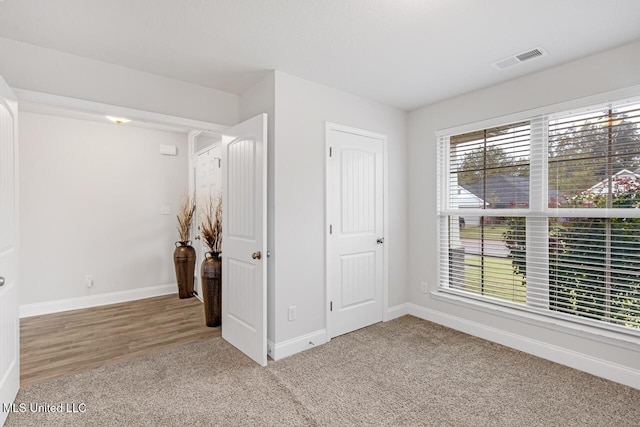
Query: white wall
pixel 90 204
pixel 301 110
pixel 610 70
pixel 27 66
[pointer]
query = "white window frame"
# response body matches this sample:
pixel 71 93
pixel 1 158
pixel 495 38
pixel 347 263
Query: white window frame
pixel 536 309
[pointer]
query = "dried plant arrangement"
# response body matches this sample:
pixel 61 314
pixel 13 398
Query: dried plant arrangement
pixel 211 226
pixel 185 218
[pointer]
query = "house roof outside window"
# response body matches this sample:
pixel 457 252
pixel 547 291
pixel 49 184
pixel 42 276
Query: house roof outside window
pixel 620 181
pixel 502 191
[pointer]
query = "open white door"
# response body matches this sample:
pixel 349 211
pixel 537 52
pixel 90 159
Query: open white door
pixel 9 320
pixel 244 237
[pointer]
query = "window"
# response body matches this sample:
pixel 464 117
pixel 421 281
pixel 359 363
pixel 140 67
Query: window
pixel 544 214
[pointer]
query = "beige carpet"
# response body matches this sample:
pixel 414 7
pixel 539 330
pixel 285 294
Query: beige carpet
pixel 404 372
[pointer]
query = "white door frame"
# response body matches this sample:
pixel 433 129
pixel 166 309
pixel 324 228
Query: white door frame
pixel 10 375
pixel 329 126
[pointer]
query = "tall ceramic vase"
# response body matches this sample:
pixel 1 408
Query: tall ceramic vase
pixel 184 259
pixel 211 273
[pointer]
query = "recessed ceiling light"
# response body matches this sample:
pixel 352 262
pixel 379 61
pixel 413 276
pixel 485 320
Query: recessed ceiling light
pixel 118 120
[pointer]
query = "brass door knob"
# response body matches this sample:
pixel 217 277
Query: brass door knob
pixel 256 255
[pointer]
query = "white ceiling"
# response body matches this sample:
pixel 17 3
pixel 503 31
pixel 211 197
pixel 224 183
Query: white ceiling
pixel 404 53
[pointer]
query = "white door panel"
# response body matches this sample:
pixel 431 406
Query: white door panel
pixel 242 276
pixel 355 257
pixel 244 238
pixel 357 272
pixel 9 319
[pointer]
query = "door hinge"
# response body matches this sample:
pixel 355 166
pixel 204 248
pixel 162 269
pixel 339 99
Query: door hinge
pixel 331 306
pixel 330 151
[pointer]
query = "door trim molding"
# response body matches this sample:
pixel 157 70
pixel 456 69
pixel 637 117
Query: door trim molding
pixel 330 126
pixel 10 378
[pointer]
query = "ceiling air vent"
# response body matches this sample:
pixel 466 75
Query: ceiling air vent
pixel 530 54
pixel 519 58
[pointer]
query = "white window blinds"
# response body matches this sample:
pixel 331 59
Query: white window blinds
pixel 490 168
pixel 544 214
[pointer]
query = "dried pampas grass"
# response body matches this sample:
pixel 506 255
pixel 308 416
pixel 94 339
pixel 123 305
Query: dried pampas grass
pixel 211 226
pixel 185 218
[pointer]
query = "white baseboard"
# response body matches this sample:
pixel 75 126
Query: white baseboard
pixel 592 365
pixel 48 307
pixel 397 311
pixel 296 345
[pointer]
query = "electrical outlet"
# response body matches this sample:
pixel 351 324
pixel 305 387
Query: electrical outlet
pixel 292 313
pixel 424 287
pixel 88 280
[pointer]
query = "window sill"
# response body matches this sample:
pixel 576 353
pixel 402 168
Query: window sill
pixel 630 341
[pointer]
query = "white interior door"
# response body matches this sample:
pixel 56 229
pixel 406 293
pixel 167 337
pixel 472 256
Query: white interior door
pixel 208 185
pixel 244 237
pixel 9 320
pixel 355 241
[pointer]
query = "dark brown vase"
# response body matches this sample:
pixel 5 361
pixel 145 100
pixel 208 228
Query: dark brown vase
pixel 184 259
pixel 211 273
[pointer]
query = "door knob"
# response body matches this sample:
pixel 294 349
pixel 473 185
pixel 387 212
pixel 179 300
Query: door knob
pixel 380 240
pixel 256 255
pixel 1 281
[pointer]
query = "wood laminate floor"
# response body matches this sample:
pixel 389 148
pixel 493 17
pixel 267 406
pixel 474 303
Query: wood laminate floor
pixel 59 344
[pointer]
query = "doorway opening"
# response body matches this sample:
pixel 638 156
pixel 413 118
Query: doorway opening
pixel 109 194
